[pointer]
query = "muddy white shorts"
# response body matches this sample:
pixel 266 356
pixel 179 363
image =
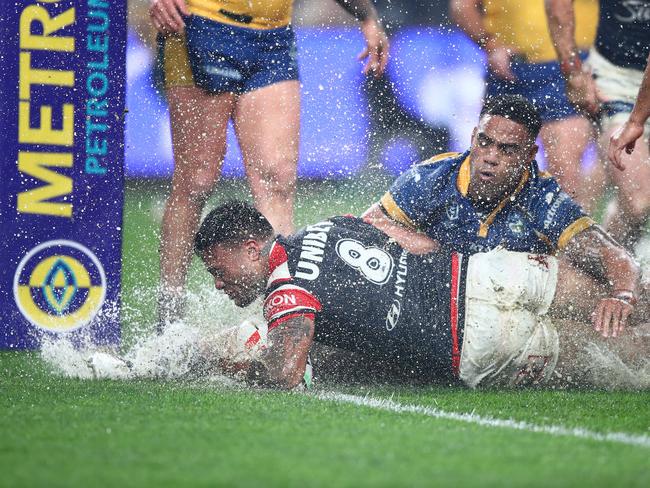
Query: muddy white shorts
pixel 618 87
pixel 508 339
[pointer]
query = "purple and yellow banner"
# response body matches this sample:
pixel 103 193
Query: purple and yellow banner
pixel 62 77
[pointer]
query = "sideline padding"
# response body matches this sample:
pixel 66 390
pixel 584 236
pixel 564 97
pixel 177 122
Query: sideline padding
pixel 62 164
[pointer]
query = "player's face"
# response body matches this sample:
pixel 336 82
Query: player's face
pixel 501 151
pixel 237 270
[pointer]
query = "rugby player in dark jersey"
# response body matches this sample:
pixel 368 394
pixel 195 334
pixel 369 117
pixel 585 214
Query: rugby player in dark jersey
pixel 481 319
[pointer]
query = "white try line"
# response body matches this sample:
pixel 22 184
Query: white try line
pixel 555 430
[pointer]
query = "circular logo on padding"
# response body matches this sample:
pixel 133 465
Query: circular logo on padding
pixel 59 285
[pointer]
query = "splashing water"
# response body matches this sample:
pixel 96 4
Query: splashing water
pixel 173 354
pixel 170 355
pixel 607 370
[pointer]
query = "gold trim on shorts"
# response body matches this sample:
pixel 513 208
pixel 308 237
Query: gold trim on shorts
pixel 176 63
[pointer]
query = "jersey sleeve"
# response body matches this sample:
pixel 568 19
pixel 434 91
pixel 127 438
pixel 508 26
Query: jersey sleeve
pixel 412 198
pixel 284 298
pixel 557 215
pixel 408 200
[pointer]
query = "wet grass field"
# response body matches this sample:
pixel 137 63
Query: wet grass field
pixel 58 431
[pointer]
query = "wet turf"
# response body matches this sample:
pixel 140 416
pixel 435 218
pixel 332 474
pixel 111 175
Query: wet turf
pixel 64 432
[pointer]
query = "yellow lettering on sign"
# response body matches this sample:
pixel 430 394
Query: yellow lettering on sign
pixel 36 13
pixel 41 30
pixel 36 200
pixel 45 134
pixel 32 76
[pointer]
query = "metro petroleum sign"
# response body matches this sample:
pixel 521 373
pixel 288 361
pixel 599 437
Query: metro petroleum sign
pixel 62 77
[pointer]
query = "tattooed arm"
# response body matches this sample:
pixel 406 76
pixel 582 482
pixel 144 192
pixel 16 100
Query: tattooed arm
pixel 282 364
pixel 597 254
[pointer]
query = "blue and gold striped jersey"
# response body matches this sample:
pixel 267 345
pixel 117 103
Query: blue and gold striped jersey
pixel 432 197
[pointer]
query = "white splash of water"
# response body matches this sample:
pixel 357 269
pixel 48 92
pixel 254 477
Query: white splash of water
pixel 172 354
pixel 606 370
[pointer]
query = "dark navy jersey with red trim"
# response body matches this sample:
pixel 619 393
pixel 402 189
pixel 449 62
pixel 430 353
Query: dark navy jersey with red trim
pixel 369 295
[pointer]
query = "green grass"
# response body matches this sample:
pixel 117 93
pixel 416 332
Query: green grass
pixel 63 432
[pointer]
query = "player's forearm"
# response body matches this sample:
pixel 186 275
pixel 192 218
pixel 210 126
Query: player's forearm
pixel 362 10
pixel 622 272
pixel 595 252
pixel 413 241
pixel 469 17
pixel 561 23
pixel 641 111
pixel 282 365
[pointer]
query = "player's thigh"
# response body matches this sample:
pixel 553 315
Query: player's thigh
pixel 564 142
pixel 633 183
pixel 506 346
pixel 199 121
pixel 510 279
pixel 267 121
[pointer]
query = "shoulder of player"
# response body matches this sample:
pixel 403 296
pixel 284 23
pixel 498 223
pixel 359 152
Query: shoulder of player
pixel 436 170
pixel 438 159
pixel 543 184
pixel 278 264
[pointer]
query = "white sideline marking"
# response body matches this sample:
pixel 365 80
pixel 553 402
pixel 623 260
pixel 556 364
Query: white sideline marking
pixel 556 430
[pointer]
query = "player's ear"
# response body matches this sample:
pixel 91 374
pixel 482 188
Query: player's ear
pixel 253 249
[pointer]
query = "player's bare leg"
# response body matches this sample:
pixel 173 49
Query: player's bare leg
pixel 586 359
pixel 267 122
pixel 633 186
pixel 199 122
pixel 564 144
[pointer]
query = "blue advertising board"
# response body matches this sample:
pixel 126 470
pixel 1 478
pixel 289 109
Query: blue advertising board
pixel 62 76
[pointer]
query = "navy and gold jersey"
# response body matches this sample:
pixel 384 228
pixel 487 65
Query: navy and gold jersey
pixel 522 25
pixel 432 197
pixel 369 295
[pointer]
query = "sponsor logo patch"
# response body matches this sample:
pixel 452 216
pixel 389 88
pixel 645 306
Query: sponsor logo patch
pixel 59 286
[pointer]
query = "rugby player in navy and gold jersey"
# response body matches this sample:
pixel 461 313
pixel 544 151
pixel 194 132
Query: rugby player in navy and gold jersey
pixel 233 59
pixel 521 60
pixel 494 195
pixel 484 319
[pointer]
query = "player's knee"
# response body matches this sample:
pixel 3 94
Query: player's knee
pixel 196 187
pixel 278 177
pixel 638 207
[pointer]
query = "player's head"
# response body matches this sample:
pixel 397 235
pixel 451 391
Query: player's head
pixel 503 145
pixel 230 242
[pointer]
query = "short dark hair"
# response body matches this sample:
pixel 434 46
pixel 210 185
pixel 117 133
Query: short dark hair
pixel 231 223
pixel 516 108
